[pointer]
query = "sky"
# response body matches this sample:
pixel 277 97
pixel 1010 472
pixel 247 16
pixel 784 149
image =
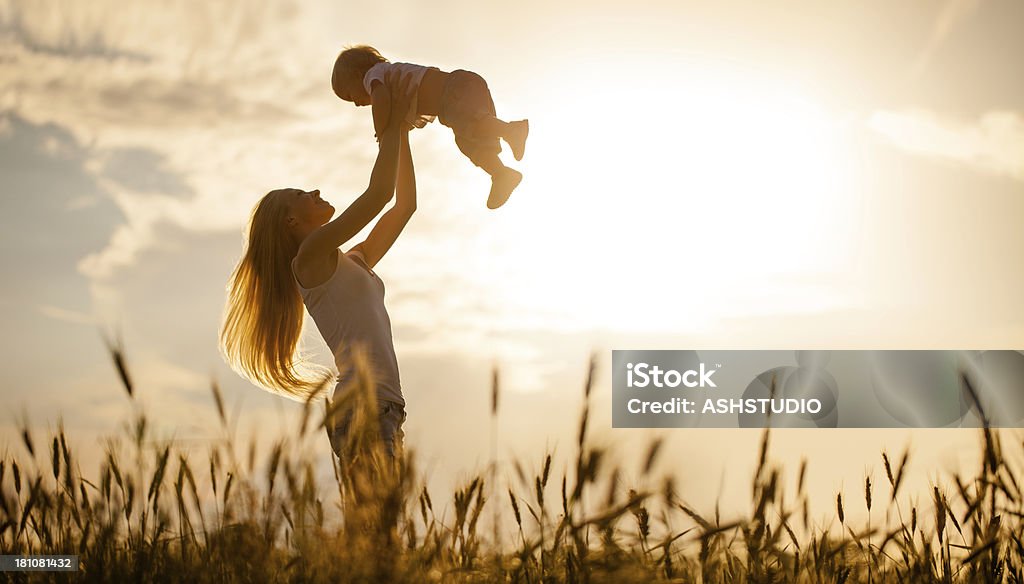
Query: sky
pixel 824 175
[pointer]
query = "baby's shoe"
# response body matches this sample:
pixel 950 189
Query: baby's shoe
pixel 502 185
pixel 517 137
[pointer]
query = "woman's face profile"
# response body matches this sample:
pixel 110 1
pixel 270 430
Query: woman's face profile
pixel 308 208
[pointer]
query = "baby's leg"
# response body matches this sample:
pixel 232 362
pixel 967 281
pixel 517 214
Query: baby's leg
pixel 468 109
pixel 490 127
pixel 483 152
pixel 482 157
pixel 514 133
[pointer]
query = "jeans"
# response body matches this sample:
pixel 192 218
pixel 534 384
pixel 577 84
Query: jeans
pixel 390 417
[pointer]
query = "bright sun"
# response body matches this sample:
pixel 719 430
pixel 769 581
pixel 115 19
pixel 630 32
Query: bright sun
pixel 672 196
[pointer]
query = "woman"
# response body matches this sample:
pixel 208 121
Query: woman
pixel 292 259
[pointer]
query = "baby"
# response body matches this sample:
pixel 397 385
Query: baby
pixel 460 100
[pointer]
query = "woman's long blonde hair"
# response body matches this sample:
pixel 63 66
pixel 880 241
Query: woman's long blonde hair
pixel 263 316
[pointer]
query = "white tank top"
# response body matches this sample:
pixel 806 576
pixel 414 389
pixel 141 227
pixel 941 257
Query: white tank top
pixel 348 309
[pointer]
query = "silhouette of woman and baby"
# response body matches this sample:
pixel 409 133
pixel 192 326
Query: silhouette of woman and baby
pixel 292 257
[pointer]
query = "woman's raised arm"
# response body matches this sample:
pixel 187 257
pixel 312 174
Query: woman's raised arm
pixel 391 224
pixel 382 185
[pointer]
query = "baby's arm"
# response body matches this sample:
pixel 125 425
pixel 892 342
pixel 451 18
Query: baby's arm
pixel 380 102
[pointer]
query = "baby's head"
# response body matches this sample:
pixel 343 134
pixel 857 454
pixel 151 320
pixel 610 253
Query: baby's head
pixel 349 69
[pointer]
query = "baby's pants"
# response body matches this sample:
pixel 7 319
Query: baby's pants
pixel 465 100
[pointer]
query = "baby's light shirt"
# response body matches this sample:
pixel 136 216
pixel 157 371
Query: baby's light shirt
pixel 381 72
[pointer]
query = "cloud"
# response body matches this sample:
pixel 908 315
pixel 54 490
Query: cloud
pixel 55 212
pixel 993 143
pixel 185 116
pixel 226 104
pixel 953 13
pixel 142 171
pixel 65 315
pixel 80 42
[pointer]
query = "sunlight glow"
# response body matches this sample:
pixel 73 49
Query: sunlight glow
pixel 743 177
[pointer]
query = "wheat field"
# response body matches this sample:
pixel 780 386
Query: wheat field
pixel 156 513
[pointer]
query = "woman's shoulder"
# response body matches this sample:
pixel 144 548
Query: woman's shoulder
pixel 313 271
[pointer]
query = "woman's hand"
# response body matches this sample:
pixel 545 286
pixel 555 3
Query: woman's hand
pixel 326 239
